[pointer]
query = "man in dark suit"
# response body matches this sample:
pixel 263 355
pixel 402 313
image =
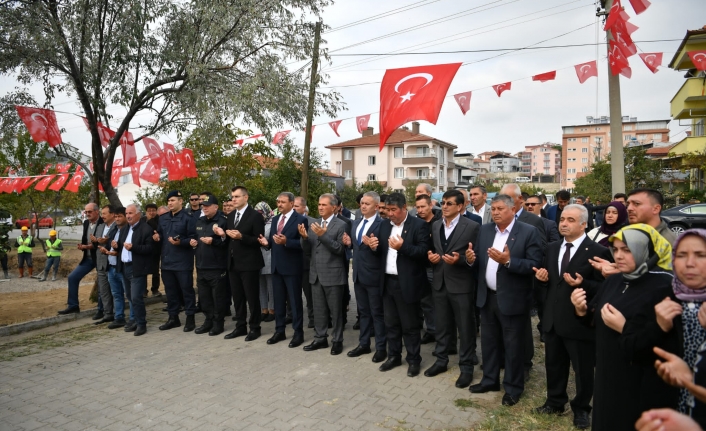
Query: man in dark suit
pixel 453 286
pixel 301 209
pixel 366 279
pixel 243 228
pixel 566 267
pixel 323 242
pixel 349 255
pixel 554 212
pixel 103 234
pixel 504 255
pixel 287 260
pixel 402 248
pixel 424 212
pixel 135 262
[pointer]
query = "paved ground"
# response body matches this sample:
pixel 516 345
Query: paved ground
pixel 176 381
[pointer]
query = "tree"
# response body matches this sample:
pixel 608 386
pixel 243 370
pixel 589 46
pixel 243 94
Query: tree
pixel 350 192
pixel 199 63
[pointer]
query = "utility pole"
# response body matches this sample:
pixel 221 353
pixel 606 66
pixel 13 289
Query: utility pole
pixel 310 110
pixel 617 160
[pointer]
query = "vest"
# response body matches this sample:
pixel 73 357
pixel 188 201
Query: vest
pixel 24 244
pixel 52 252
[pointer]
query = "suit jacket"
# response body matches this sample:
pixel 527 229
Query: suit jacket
pixel 486 216
pixel 551 230
pixel 551 213
pixel 102 259
pixel 559 313
pixel 244 254
pixel 473 217
pixel 327 254
pixel 411 257
pixel 458 277
pixel 349 228
pixel 86 239
pixel 142 243
pixel 514 284
pixel 366 264
pixel 287 259
pixel 536 221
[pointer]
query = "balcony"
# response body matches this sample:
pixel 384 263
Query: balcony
pixel 691 144
pixel 414 158
pixel 413 179
pixel 690 100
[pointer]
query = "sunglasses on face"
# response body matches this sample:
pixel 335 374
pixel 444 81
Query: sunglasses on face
pixel 194 199
pixel 531 204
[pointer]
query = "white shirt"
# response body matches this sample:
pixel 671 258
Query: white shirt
pixel 480 212
pixel 364 226
pixel 575 246
pixel 448 230
pixel 113 260
pixel 284 217
pixel 126 255
pixel 491 270
pixel 517 214
pixel 106 229
pixel 240 211
pixel 391 263
pixel 328 220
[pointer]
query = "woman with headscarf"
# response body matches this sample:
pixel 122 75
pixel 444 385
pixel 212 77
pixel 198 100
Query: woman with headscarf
pixel 623 390
pixel 266 294
pixel 676 325
pixel 616 216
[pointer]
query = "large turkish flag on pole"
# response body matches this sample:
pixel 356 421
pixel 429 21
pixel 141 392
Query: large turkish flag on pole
pixel 413 93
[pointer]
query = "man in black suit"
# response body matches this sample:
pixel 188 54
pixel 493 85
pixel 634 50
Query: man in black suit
pixel 453 286
pixel 425 212
pixel 287 260
pixel 243 228
pixel 504 255
pixel 402 248
pixel 301 209
pixel 349 255
pixel 366 279
pixel 566 340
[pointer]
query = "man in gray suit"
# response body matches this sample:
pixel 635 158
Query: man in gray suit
pixel 104 233
pixel 323 241
pixel 478 206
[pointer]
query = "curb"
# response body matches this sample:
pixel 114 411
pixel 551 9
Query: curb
pixel 44 322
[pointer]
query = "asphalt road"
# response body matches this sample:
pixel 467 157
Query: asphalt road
pixel 64 232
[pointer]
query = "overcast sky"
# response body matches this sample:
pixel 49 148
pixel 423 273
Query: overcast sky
pixel 531 113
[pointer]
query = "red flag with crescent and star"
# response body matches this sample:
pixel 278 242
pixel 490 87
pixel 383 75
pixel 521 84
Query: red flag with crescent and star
pixel 189 163
pixel 616 60
pixel 613 15
pixel 30 181
pixel 59 183
pixel 135 171
pixel 41 124
pixel 5 184
pixel 104 133
pixel 640 5
pixel 44 182
pixel 544 77
pixel 500 88
pixel 75 182
pixel 464 101
pixel 413 93
pixel 334 125
pixel 361 122
pixel 150 173
pixel 699 59
pixel 170 161
pixel 153 150
pixel 621 35
pixel 115 175
pixel 128 146
pixel 653 60
pixel 279 137
pixel 586 70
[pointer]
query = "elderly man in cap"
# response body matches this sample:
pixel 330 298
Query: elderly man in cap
pixel 54 248
pixel 24 244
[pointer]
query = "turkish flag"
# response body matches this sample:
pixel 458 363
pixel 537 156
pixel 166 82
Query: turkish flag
pixel 135 171
pixel 464 101
pixel 544 77
pixel 413 93
pixel 59 183
pixel 4 184
pixel 179 172
pixel 653 60
pixel 616 60
pixel 153 150
pixel 362 122
pixel 169 160
pixel 104 133
pixel 626 72
pixel 279 137
pixel 240 142
pixel 41 124
pixel 30 181
pixel 499 88
pixel 613 15
pixel 586 70
pixel 151 173
pixel 127 145
pixel 75 182
pixel 19 184
pixel 189 163
pixel 640 5
pixel 699 59
pixel 254 136
pixel 115 176
pixel 334 125
pixel 44 182
pixel 63 168
pixel 47 167
pixel 622 38
pixel 631 28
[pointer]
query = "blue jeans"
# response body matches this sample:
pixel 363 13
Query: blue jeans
pixel 52 261
pixel 118 290
pixel 136 287
pixel 83 268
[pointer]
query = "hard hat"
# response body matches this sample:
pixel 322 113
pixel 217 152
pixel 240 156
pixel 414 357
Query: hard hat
pixel 52 233
pixel 24 228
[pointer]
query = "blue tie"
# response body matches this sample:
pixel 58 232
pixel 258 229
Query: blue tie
pixel 360 232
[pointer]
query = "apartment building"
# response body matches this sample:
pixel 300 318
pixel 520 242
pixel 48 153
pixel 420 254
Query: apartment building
pixel 503 162
pixel 543 159
pixel 584 144
pixel 407 156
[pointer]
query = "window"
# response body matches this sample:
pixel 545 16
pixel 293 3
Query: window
pixel 571 171
pixel 627 127
pixel 627 137
pixel 349 174
pixel 641 137
pixel 442 155
pixel 657 136
pixel 584 169
pixel 422 151
pixel 572 149
pixel 399 172
pixel 125 178
pixel 422 173
pixel 399 152
pixel 571 140
pixel 584 130
pixel 371 160
pixel 584 160
pixel 347 154
pixel 441 176
pixel 584 140
pixel 371 177
pixel 571 160
pixel 598 129
pixel 399 190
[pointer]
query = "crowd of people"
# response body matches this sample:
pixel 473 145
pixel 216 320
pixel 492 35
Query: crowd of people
pixel 619 298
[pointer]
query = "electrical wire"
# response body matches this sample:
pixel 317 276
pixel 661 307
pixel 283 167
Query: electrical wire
pixel 383 15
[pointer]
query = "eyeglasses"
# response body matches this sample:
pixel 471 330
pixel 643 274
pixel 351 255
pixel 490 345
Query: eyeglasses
pixel 531 204
pixel 194 199
pixel 448 204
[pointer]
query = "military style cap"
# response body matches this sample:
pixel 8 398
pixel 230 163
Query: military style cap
pixel 174 194
pixel 210 200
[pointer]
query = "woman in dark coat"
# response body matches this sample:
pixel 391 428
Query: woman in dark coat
pixel 624 389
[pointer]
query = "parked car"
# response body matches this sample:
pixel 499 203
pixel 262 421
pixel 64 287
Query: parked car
pixel 5 218
pixel 683 217
pixel 46 222
pixel 71 220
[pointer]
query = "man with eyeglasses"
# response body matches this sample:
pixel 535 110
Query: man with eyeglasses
pixel 194 205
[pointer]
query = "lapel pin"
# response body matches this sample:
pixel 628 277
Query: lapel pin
pixel 405 231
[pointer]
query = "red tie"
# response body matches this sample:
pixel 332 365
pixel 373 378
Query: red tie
pixel 280 225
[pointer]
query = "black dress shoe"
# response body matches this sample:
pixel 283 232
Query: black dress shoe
pixel 296 341
pixel 546 409
pixel 452 351
pixel 117 324
pixel 464 380
pixel 131 328
pixel 413 370
pixel 356 325
pixel 97 316
pixel 165 309
pixel 287 320
pixel 69 310
pixel 141 330
pixel 316 345
pixel 311 324
pixel 336 348
pixel 253 335
pixel 263 316
pixel 509 400
pixel 105 320
pixel 582 420
pixel 474 359
pixel 392 362
pixel 427 338
pixel 190 324
pixel 279 336
pixel 172 322
pixel 379 356
pixel 204 328
pixel 480 389
pixel 237 332
pixel 217 329
pixel 435 370
pixel 269 318
pixel 360 350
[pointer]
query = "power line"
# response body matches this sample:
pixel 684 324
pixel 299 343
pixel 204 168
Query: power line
pixel 383 15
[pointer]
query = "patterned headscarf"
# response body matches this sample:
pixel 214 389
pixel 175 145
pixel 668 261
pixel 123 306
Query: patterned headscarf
pixel 264 209
pixel 680 290
pixel 647 246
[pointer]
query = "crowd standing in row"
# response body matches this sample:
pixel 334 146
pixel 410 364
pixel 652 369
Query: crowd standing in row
pixel 606 297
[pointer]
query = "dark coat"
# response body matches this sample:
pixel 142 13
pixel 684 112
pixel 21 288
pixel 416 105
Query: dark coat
pixel 288 259
pixel 86 239
pixel 178 257
pixel 244 254
pixel 457 278
pixel 141 249
pixel 366 264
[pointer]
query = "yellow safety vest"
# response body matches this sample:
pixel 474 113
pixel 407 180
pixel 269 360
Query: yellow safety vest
pixel 24 244
pixel 53 252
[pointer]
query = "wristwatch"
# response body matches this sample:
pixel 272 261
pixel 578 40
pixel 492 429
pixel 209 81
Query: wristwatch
pixel 507 265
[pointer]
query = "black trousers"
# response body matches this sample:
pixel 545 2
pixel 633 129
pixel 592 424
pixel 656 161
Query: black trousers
pixel 245 288
pixel 498 330
pixel 401 321
pixel 455 310
pixel 176 284
pixel 306 287
pixel 283 287
pixel 581 354
pixel 211 292
pixel 155 273
pixel 372 315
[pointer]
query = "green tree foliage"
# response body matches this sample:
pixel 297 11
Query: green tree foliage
pixel 350 192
